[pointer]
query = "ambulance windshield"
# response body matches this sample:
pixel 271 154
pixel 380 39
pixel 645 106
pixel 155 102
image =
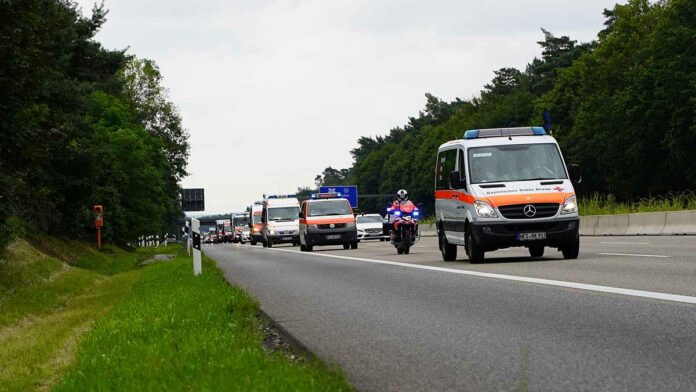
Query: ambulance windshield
pixel 519 162
pixel 283 213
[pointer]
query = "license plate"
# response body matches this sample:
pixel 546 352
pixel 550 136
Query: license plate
pixel 531 236
pixel 287 238
pixel 333 237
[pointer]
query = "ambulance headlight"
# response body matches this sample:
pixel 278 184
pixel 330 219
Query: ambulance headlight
pixel 312 227
pixel 350 225
pixel 484 210
pixel 570 206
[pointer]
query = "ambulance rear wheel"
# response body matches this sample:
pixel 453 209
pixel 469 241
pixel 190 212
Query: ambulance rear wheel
pixel 449 251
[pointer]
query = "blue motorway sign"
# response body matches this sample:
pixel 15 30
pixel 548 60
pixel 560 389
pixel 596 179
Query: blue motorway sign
pixel 349 192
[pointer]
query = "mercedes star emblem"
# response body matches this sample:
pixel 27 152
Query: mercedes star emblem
pixel 529 210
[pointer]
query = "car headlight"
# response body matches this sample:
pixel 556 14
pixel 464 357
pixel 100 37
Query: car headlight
pixel 312 227
pixel 484 210
pixel 350 225
pixel 570 206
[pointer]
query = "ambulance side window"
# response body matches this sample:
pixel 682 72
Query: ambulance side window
pixel 461 166
pixel 446 161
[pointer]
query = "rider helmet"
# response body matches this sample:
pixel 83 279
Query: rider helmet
pixel 402 195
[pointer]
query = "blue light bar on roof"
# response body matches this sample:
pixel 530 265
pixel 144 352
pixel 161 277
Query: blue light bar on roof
pixel 471 134
pixel 504 132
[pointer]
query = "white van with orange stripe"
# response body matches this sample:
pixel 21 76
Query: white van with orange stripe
pixel 327 219
pixel 504 187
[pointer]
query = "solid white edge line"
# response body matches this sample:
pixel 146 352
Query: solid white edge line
pixel 548 282
pixel 624 243
pixel 632 254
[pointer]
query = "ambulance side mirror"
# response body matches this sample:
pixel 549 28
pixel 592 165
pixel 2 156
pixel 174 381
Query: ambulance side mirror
pixel 455 181
pixel 302 215
pixel 575 173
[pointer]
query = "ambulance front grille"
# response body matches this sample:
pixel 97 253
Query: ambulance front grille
pixel 541 210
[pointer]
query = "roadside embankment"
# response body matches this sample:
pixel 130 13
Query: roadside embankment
pixel 74 318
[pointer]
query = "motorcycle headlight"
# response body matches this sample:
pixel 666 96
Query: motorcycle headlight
pixel 484 210
pixel 350 225
pixel 407 217
pixel 570 206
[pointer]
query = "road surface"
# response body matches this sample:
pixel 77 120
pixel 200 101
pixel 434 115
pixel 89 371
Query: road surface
pixel 621 317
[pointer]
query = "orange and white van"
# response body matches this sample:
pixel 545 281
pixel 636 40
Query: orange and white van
pixel 504 187
pixel 327 219
pixel 255 223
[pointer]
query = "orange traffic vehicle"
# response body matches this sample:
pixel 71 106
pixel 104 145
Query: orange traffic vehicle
pixel 327 219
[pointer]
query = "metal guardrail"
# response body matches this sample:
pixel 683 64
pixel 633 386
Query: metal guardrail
pixel 646 223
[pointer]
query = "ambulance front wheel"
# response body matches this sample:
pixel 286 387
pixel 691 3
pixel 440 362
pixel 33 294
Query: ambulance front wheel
pixel 473 249
pixel 571 250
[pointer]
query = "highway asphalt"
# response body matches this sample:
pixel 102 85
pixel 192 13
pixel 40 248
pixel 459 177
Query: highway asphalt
pixel 622 317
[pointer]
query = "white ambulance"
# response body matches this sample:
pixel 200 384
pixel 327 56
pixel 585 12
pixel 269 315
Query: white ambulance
pixel 504 187
pixel 280 218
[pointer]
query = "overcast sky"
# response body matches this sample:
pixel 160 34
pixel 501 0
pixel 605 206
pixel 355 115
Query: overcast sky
pixel 272 92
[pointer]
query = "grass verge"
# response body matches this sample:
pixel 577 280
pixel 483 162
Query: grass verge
pixel 180 332
pixel 597 204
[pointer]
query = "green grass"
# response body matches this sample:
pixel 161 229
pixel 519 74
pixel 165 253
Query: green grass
pixel 180 332
pixel 74 318
pixel 45 306
pixel 604 205
pixel 109 260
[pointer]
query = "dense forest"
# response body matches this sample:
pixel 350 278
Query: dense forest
pixel 622 106
pixel 82 125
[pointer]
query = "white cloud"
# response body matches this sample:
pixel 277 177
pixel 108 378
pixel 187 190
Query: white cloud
pixel 274 91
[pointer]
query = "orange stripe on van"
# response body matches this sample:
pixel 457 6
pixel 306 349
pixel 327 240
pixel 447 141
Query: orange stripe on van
pixel 327 221
pixel 505 200
pixel 454 195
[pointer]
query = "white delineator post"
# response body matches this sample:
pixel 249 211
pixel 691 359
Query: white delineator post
pixel 196 229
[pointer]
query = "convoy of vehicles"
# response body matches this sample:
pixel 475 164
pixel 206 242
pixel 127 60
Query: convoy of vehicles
pixel 498 188
pixel 327 219
pixel 494 189
pixel 280 220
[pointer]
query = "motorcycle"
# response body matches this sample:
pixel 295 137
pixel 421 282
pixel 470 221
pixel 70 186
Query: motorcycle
pixel 404 226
